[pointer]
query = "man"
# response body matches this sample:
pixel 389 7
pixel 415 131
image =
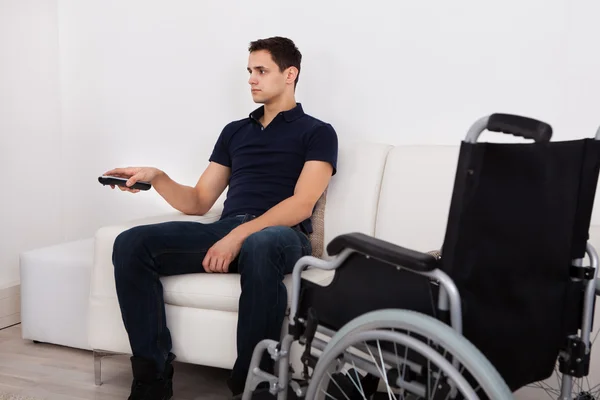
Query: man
pixel 277 163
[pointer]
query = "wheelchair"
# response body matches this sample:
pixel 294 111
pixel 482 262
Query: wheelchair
pixel 508 300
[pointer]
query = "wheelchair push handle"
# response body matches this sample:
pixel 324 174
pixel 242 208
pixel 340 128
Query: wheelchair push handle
pixel 516 125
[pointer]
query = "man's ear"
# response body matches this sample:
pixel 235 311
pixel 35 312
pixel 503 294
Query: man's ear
pixel 291 75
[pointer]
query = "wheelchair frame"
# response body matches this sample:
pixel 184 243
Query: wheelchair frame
pixel 449 300
pixel 573 362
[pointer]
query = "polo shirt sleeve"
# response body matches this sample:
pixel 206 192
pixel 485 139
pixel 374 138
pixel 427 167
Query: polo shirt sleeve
pixel 323 146
pixel 220 153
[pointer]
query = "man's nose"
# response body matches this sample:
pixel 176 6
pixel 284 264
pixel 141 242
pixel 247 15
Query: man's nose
pixel 252 79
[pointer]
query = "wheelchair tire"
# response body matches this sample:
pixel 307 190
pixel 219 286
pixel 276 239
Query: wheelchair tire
pixel 373 325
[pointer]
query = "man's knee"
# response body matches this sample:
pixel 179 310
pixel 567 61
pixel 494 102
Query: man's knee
pixel 264 242
pixel 273 250
pixel 128 244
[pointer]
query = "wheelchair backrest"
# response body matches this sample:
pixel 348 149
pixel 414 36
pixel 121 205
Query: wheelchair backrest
pixel 519 214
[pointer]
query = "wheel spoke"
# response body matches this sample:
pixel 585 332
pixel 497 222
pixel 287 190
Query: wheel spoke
pixel 429 344
pixel 405 359
pixel 328 395
pixel 338 386
pixel 398 365
pixel 381 370
pixel 359 386
pixel 549 390
pixel 588 382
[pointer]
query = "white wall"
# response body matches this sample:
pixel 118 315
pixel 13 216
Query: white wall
pixel 153 83
pixel 146 82
pixel 30 142
pixel 583 67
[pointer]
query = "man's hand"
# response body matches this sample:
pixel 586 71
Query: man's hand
pixel 221 254
pixel 133 175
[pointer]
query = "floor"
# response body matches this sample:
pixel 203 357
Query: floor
pixel 46 371
pixel 51 372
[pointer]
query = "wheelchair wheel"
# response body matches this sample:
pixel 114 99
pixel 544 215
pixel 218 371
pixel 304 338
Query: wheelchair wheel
pixel 585 388
pixel 412 355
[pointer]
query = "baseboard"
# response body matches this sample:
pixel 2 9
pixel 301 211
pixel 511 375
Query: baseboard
pixel 10 305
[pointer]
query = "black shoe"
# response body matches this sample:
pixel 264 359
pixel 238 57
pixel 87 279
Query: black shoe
pixel 148 383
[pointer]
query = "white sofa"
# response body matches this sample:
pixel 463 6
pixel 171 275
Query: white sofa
pixel 400 194
pixel 364 196
pixel 55 287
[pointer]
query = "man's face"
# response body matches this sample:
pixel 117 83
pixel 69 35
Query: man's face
pixel 266 81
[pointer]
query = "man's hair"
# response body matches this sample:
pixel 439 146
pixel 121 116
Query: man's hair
pixel 283 52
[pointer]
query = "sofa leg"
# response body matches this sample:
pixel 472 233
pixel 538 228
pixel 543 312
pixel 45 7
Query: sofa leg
pixel 98 355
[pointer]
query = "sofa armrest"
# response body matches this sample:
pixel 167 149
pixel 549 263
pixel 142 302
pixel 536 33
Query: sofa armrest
pixel 102 282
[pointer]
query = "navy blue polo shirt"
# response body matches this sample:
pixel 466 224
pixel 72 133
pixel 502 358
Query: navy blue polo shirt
pixel 266 162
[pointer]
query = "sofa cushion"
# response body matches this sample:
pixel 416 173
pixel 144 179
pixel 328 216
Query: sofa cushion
pixel 353 192
pixel 415 196
pixel 221 291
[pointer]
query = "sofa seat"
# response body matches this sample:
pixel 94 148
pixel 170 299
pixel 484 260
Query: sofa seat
pixel 221 292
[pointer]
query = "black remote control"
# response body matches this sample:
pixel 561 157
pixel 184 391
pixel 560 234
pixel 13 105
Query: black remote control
pixel 113 180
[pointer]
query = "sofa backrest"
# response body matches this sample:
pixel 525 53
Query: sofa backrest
pixel 415 196
pixel 353 193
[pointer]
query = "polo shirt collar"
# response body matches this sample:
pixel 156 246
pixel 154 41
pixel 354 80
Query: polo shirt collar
pixel 289 116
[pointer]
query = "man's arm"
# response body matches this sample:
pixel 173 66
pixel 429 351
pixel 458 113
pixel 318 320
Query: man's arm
pixel 196 200
pixel 311 184
pixel 189 200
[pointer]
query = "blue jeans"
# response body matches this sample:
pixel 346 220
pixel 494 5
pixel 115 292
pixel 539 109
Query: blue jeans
pixel 143 254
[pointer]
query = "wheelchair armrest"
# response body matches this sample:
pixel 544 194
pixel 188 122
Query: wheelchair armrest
pixel 383 251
